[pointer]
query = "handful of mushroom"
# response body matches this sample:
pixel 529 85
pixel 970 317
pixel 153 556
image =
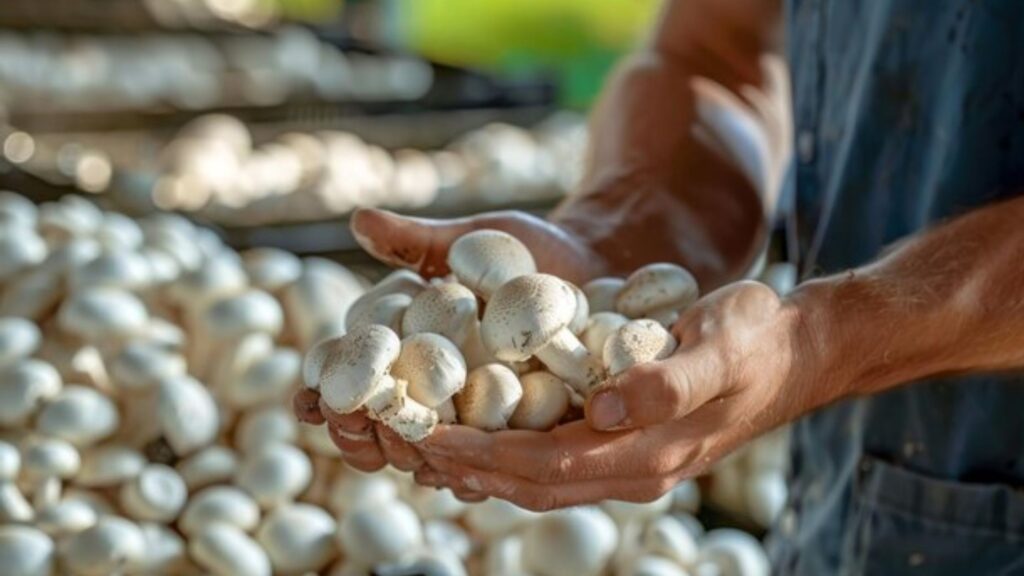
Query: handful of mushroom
pixel 496 344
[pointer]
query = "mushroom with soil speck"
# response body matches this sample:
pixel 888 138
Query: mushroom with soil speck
pixel 484 260
pixel 450 310
pixel 637 342
pixel 602 293
pixel 600 326
pixel 346 370
pixel 432 366
pixel 530 316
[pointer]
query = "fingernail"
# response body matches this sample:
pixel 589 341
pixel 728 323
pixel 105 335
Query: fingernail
pixel 607 410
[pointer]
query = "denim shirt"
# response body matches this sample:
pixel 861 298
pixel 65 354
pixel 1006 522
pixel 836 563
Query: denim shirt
pixel 907 112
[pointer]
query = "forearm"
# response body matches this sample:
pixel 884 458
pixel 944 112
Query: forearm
pixel 651 181
pixel 947 301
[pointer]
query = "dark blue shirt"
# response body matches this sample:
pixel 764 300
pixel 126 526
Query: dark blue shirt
pixel 908 112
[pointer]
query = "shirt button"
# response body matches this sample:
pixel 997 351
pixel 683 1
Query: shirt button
pixel 805 146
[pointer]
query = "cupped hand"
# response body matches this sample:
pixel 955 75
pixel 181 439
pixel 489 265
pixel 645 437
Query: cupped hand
pixel 422 245
pixel 741 369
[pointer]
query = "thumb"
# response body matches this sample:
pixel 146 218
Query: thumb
pixel 417 243
pixel 654 393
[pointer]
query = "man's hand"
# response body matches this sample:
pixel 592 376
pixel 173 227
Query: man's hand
pixel 739 371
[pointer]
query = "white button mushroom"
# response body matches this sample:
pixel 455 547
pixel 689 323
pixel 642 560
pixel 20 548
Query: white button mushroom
pixel 19 338
pixel 123 269
pixel 489 398
pixel 398 282
pixel 316 440
pixel 439 562
pixel 387 310
pixel 78 414
pixel 735 552
pixel 666 536
pixel 545 400
pixel 530 316
pixel 227 320
pixel 156 494
pixel 275 474
pixel 13 505
pixel 298 538
pixel 141 364
pixel 111 465
pixel 579 319
pixel 323 293
pixel 24 386
pixel 352 489
pixel 271 269
pixel 486 259
pixel 224 550
pixel 187 414
pixel 600 327
pixel 389 532
pixel 494 518
pixel 655 566
pixel 450 310
pixel 110 546
pixel 165 550
pixel 346 369
pixel 268 379
pixel 637 342
pixel 20 248
pixel 432 366
pixel 119 232
pixel 686 497
pixel 65 517
pixel 766 492
pixel 260 428
pixel 602 293
pixel 16 209
pixel 504 556
pixel 431 503
pixel 572 541
pixel 657 291
pixel 211 465
pixel 25 551
pixel 99 314
pixel 45 463
pixel 219 505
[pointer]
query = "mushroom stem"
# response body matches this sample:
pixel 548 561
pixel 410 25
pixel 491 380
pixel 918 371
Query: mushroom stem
pixel 570 360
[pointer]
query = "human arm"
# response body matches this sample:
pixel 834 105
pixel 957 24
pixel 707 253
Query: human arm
pixel 950 300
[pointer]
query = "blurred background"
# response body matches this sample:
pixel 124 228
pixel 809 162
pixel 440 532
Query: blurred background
pixel 271 120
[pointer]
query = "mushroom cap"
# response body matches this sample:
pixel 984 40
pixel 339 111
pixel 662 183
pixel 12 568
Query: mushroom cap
pixel 110 545
pixel 266 380
pixel 602 293
pixel 686 497
pixel 187 413
pixel 387 532
pixel 353 489
pixel 624 512
pixel 231 364
pixel 493 518
pixel 109 465
pixel 94 500
pixel 26 551
pixel 65 517
pixel 10 462
pixel 352 365
pixel 433 504
pixel 432 366
pixel 49 457
pixel 271 268
pixel 95 314
pixel 447 309
pixel 165 549
pixel 24 385
pixel 141 364
pixel 525 314
pixel 213 278
pixel 386 310
pixel 80 415
pixel 600 327
pixel 484 260
pixel 219 505
pixel 20 247
pixel 73 254
pixel 579 319
pixel 545 400
pixel 243 313
pixel 398 282
pixel 156 494
pixel 163 268
pixel 119 232
pixel 637 342
pixel 16 208
pixel 275 474
pixel 655 287
pixel 735 552
pixel 573 541
pixel 19 338
pixel 211 465
pixel 259 428
pixel 489 398
pixel 766 493
pixel 125 269
pixel 447 534
pixel 225 550
pixel 298 538
pixel 668 537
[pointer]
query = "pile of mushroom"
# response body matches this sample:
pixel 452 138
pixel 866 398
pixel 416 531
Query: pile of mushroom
pixel 145 424
pixel 212 168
